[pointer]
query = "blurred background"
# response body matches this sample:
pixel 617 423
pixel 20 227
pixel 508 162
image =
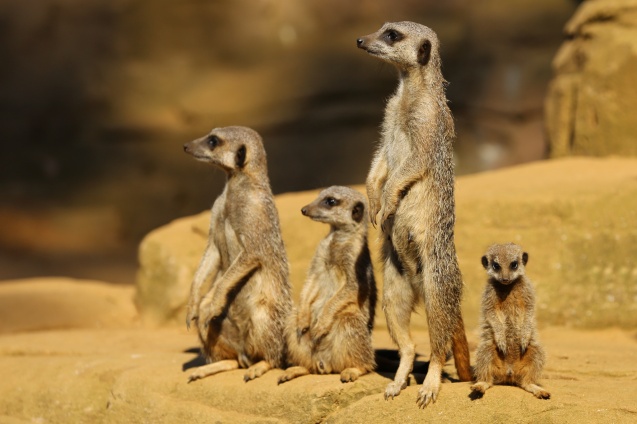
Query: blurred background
pixel 97 99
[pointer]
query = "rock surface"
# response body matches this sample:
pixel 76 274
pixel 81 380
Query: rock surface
pixel 591 101
pixel 575 217
pixel 126 373
pixel 78 351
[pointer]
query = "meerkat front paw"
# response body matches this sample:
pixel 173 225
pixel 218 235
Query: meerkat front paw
pixel 387 213
pixel 210 310
pixel 428 393
pixel 192 314
pixel 501 346
pixel 300 332
pixel 386 219
pixel 374 208
pixel 319 332
pixel 394 388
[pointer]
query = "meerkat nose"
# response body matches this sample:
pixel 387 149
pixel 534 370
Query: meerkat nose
pixel 186 147
pixel 304 211
pixel 359 42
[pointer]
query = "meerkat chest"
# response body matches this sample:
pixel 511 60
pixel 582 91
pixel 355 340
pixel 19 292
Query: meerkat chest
pixel 511 311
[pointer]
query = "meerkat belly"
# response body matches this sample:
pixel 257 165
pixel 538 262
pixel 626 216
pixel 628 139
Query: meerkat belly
pixel 415 219
pixel 328 289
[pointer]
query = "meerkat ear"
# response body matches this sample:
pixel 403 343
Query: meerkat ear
pixel 424 52
pixel 485 262
pixel 358 211
pixel 525 258
pixel 240 158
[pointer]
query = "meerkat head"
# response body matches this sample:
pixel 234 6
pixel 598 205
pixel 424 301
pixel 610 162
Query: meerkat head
pixel 505 262
pixel 338 206
pixel 403 44
pixel 234 149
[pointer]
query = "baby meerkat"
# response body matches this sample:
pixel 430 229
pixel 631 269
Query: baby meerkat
pixel 241 318
pixel 331 329
pixel 411 187
pixel 509 351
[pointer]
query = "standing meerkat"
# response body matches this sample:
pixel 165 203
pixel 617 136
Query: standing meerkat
pixel 331 329
pixel 241 318
pixel 509 351
pixel 411 185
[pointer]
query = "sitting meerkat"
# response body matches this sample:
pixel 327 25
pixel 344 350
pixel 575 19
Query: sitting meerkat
pixel 241 318
pixel 509 351
pixel 331 329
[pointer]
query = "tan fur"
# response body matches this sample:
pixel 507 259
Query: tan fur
pixel 241 318
pixel 330 332
pixel 509 351
pixel 410 184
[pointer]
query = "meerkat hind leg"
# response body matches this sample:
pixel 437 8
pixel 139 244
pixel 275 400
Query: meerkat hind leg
pixel 442 316
pixel 430 388
pixel 480 387
pixel 293 372
pixel 214 368
pixel 537 391
pixel 257 370
pixel 351 374
pixel 398 298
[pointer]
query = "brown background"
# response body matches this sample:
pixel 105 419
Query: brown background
pixel 97 98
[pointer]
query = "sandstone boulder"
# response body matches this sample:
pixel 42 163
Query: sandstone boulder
pixel 591 101
pixel 64 303
pixel 575 217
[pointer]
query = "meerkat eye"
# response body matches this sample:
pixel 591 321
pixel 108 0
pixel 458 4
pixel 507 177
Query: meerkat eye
pixel 213 141
pixel 392 36
pixel 514 265
pixel 496 266
pixel 330 201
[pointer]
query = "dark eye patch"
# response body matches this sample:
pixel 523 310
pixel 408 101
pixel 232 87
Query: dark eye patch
pixel 496 266
pixel 331 202
pixel 391 36
pixel 213 141
pixel 514 265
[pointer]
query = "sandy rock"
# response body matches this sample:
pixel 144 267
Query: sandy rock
pixel 26 305
pixel 575 217
pixel 137 376
pixel 168 258
pixel 591 100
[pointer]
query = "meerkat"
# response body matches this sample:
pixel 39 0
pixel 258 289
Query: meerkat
pixel 330 331
pixel 509 351
pixel 241 318
pixel 411 186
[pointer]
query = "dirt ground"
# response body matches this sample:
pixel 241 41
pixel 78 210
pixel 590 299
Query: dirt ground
pixel 74 351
